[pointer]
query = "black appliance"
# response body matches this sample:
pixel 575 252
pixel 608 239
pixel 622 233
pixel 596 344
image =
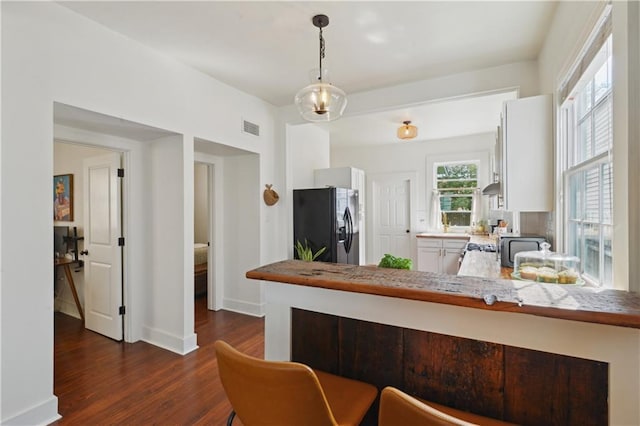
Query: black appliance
pixel 512 244
pixel 328 217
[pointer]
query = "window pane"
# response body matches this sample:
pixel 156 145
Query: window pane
pixel 459 218
pixel 456 183
pixel 607 278
pixel 592 195
pixel 602 117
pixel 602 81
pixel 584 99
pixel 575 196
pixel 591 257
pixel 607 194
pixel 584 150
pixel 574 245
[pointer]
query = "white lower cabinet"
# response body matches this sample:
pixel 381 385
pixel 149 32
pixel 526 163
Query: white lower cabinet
pixel 440 254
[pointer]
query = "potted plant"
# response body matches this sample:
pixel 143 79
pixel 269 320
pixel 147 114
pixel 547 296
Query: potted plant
pixel 306 253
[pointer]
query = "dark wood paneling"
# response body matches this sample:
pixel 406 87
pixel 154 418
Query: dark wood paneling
pixel 371 352
pixel 460 373
pixel 588 392
pixel 502 382
pixel 314 340
pixel 551 389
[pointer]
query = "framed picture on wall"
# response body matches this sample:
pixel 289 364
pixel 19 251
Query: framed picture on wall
pixel 63 198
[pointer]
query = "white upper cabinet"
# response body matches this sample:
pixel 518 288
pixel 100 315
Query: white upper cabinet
pixel 527 175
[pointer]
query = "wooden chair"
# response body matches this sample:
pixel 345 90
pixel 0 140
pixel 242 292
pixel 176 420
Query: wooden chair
pixel 289 393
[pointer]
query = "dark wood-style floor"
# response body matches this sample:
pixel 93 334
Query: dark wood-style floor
pixel 99 381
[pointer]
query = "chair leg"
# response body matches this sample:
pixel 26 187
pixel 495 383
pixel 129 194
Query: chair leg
pixel 232 415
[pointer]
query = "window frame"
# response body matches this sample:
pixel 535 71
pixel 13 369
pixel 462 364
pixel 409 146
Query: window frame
pixel 477 163
pixel 573 163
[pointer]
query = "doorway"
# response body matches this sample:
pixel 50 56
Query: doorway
pixel 86 270
pixel 201 230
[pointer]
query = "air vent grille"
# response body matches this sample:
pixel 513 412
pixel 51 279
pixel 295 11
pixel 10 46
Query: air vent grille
pixel 251 128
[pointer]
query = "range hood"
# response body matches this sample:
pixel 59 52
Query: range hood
pixel 492 189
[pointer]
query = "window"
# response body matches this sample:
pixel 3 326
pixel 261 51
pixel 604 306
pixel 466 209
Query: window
pixel 587 117
pixel 457 189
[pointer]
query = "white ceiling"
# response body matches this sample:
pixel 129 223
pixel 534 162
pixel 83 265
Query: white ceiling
pixel 268 48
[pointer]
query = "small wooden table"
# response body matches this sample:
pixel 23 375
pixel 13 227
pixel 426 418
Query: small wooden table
pixel 64 262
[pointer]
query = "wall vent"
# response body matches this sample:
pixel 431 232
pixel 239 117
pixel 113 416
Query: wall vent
pixel 251 128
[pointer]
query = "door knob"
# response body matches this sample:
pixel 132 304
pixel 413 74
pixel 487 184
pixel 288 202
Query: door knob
pixel 84 252
pixel 408 231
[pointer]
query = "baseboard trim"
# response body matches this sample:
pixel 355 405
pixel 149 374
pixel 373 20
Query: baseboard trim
pixel 242 307
pixel 170 342
pixel 41 414
pixel 68 308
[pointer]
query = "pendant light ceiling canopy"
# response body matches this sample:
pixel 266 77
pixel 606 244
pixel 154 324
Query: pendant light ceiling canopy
pixel 407 130
pixel 321 101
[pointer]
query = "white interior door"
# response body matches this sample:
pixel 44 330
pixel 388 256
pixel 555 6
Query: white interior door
pixel 103 257
pixel 391 227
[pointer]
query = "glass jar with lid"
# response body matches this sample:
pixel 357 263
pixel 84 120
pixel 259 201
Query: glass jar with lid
pixel 547 267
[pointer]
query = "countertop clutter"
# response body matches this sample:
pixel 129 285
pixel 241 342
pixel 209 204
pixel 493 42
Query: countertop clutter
pixel 475 263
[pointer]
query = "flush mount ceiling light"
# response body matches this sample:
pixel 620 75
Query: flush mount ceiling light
pixel 407 130
pixel 321 101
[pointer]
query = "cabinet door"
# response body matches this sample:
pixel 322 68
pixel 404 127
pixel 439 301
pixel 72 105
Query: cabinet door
pixel 429 259
pixel 528 154
pixel 450 258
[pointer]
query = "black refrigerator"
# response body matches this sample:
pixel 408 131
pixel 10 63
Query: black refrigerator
pixel 327 217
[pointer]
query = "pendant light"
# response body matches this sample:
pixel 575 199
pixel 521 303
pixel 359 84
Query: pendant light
pixel 407 130
pixel 321 101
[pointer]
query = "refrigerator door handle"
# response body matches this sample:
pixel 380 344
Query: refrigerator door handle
pixel 349 224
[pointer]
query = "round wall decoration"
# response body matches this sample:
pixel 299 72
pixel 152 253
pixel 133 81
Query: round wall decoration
pixel 270 196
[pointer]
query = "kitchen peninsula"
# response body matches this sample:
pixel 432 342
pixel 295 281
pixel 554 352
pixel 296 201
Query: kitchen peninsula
pixel 547 331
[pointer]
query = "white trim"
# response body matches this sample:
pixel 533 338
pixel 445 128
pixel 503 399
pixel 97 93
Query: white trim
pixel 41 414
pixel 168 341
pixel 64 134
pixel 582 44
pixel 215 272
pixel 242 307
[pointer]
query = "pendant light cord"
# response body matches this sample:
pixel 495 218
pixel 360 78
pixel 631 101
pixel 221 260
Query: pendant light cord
pixel 321 53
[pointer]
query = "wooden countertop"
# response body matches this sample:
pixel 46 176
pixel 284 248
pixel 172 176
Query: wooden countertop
pixel 610 307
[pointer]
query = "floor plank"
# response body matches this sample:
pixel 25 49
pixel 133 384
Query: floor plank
pixel 99 381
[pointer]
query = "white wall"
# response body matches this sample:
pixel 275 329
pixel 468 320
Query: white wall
pixel 241 209
pixel 168 322
pixel 308 146
pixel 68 159
pixel 69 59
pixel 417 157
pixel 201 209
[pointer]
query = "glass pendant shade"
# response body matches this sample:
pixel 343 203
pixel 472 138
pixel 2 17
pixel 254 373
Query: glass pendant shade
pixel 321 102
pixel 407 131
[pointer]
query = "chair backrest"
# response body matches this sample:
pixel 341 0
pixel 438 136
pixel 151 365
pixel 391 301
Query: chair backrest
pixel 398 408
pixel 271 392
